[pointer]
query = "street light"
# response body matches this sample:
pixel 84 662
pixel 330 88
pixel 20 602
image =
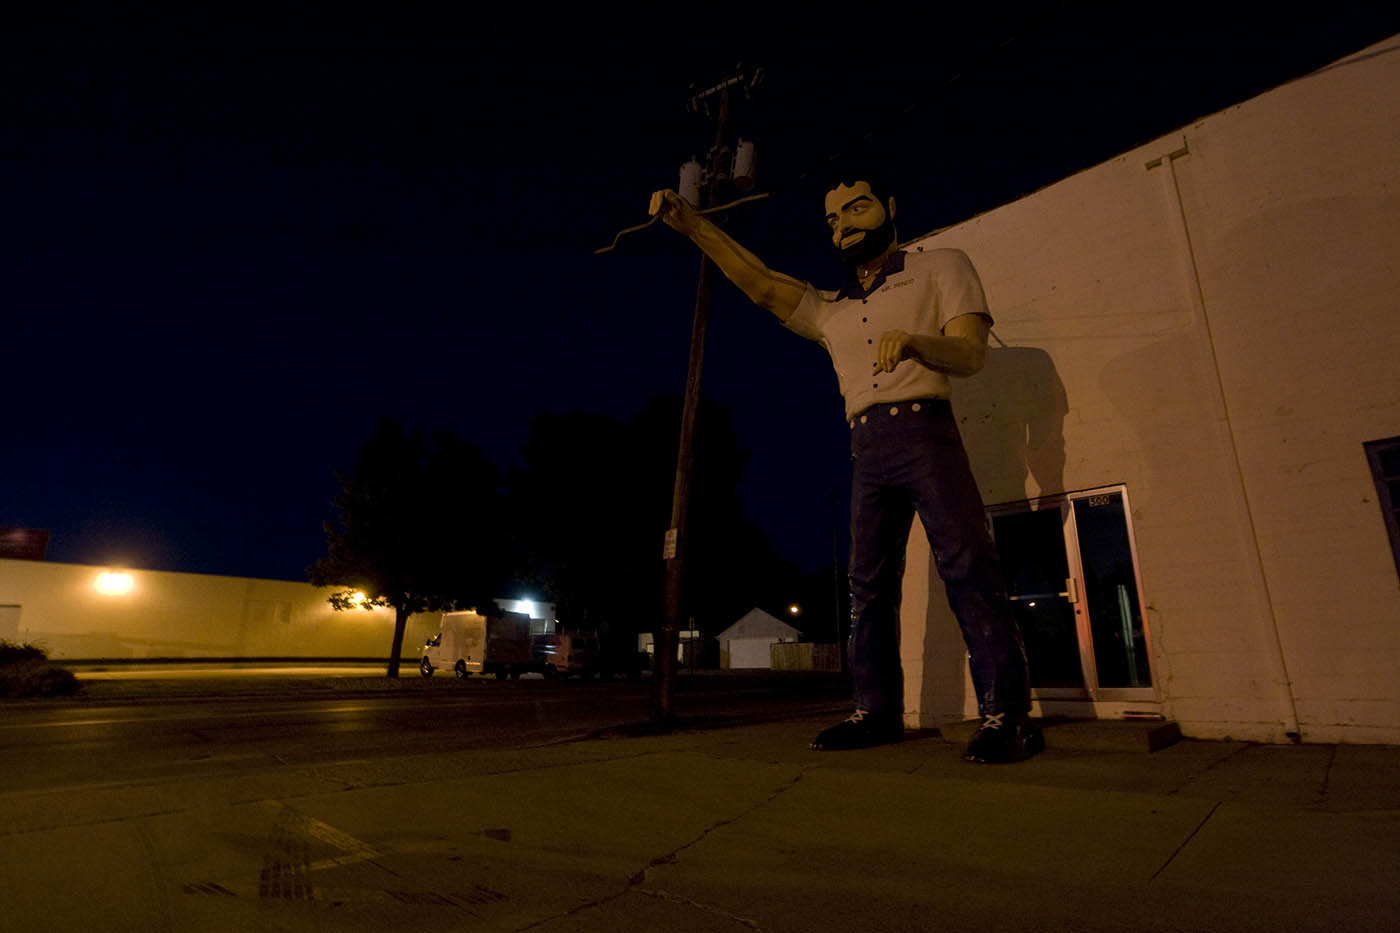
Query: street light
pixel 114 583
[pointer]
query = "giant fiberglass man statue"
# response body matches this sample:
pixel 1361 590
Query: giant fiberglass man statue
pixel 903 322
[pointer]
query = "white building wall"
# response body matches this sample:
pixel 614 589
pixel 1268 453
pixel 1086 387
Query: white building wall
pixel 190 615
pixel 1219 332
pixel 748 652
pixel 1297 201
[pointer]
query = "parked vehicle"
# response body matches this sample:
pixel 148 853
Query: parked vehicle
pixel 560 654
pixel 471 643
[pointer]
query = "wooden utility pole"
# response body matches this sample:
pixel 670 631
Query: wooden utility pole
pixel 668 639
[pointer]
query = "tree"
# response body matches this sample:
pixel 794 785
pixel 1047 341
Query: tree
pixel 593 502
pixel 589 520
pixel 418 529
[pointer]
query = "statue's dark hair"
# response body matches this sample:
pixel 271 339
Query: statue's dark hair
pixel 848 172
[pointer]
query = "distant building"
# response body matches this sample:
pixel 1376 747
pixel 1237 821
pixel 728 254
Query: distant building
pixel 688 647
pixel 748 642
pixel 78 611
pixel 23 543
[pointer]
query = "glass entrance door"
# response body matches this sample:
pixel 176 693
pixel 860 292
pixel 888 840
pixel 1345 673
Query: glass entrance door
pixel 1111 603
pixel 1035 563
pixel 1071 575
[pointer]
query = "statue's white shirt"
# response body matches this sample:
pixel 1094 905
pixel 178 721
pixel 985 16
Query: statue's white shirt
pixel 917 291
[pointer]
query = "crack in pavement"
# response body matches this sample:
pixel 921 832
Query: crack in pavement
pixel 324 772
pixel 596 902
pixel 1326 789
pixel 1207 769
pixel 706 908
pixel 671 857
pixel 1185 842
pixel 80 824
pixel 635 882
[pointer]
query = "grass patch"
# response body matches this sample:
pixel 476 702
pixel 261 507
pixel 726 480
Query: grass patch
pixel 25 671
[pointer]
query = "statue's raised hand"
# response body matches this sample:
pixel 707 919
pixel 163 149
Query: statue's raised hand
pixel 678 213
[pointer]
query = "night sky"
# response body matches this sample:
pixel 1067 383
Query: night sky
pixel 229 247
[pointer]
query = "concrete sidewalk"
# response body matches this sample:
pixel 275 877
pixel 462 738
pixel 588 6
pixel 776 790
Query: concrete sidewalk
pixel 738 828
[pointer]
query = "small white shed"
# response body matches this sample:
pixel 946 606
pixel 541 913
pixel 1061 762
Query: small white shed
pixel 747 642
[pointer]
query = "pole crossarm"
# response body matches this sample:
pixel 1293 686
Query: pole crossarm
pixel 748 79
pixel 709 210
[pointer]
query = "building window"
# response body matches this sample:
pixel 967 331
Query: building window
pixel 1385 470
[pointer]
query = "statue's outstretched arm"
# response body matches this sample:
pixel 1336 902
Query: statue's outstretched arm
pixel 775 291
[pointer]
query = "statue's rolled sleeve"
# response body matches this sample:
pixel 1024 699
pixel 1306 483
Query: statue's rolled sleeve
pixel 806 319
pixel 959 287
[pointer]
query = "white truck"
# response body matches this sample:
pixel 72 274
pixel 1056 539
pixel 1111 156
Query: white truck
pixel 471 643
pixel 560 654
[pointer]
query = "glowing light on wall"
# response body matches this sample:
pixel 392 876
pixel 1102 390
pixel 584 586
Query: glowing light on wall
pixel 359 600
pixel 535 610
pixel 113 583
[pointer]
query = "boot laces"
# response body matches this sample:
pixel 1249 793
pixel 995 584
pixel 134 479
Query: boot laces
pixel 993 720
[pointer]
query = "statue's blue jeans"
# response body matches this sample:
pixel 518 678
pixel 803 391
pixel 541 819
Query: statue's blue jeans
pixel 907 458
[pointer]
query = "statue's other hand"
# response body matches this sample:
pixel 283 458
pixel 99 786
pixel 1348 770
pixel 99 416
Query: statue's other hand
pixel 894 347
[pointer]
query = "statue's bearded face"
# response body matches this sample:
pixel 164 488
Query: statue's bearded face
pixel 861 227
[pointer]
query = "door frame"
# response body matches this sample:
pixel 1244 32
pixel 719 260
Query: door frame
pixel 1108 701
